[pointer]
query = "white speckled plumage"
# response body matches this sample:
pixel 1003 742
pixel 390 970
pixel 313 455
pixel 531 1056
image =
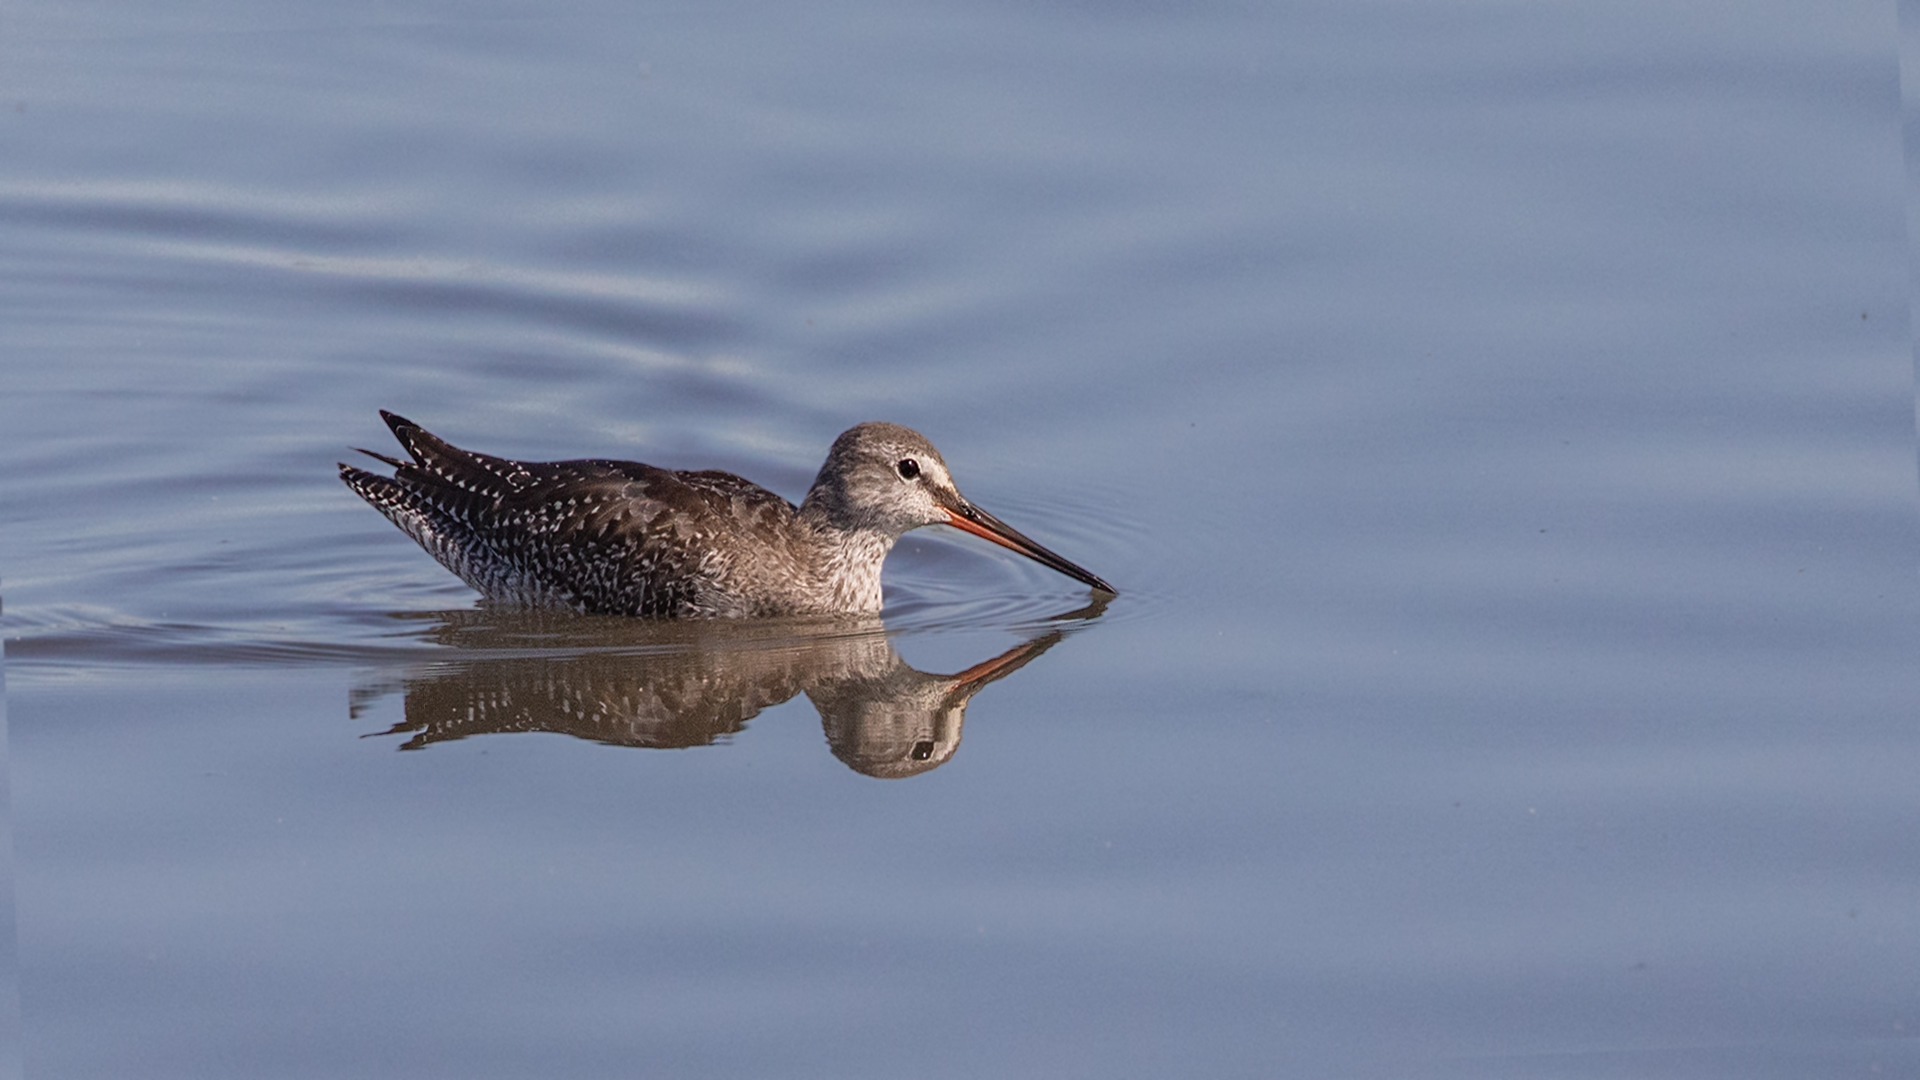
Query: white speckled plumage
pixel 620 537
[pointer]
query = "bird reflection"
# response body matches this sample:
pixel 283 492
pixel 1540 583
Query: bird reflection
pixel 628 682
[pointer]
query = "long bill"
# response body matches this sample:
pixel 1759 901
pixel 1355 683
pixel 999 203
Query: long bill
pixel 969 518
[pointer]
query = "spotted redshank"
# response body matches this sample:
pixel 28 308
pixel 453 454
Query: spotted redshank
pixel 622 538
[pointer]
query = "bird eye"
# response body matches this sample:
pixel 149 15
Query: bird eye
pixel 907 468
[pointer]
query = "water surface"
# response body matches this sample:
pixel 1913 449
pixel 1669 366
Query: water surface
pixel 1498 420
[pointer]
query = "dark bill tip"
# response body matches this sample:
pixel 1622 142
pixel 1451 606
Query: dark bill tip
pixel 969 518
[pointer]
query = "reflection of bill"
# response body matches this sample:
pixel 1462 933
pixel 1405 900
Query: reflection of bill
pixel 690 684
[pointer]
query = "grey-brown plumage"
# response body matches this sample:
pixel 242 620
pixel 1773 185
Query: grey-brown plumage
pixel 623 538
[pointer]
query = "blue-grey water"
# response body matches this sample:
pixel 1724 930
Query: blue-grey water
pixel 1498 419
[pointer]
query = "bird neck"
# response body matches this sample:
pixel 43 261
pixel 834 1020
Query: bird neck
pixel 847 557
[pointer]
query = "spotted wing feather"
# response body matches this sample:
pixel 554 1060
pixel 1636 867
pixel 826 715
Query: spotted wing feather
pixel 613 537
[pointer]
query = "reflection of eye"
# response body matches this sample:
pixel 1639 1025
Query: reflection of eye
pixel 922 750
pixel 908 468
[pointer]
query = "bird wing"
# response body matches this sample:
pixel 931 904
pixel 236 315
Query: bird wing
pixel 598 535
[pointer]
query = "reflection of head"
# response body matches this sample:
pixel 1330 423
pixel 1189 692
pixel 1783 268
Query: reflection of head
pixel 891 732
pixel 906 721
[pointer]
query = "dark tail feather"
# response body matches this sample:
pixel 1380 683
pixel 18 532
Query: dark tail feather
pixel 425 448
pixel 433 527
pixel 440 458
pixel 395 462
pixel 382 492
